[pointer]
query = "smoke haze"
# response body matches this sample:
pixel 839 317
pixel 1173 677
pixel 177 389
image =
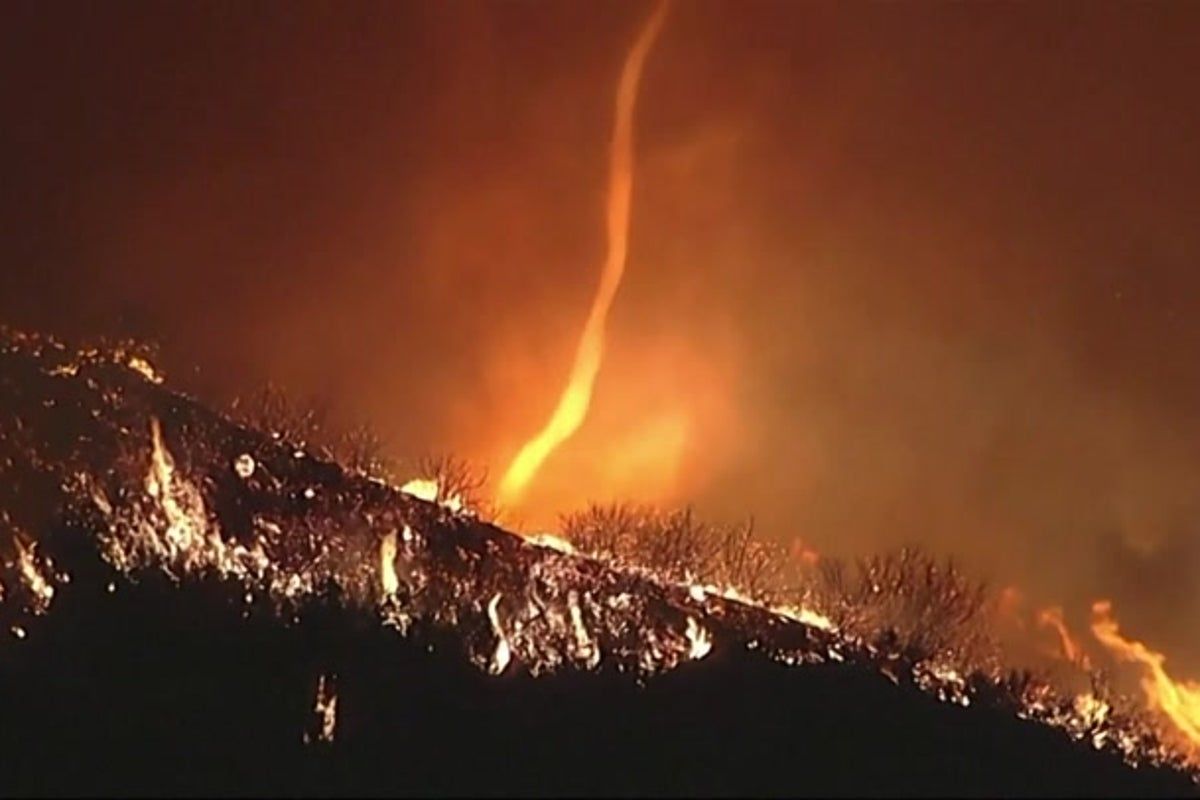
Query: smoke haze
pixel 897 272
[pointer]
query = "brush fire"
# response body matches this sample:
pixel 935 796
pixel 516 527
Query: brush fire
pixel 157 483
pixel 238 596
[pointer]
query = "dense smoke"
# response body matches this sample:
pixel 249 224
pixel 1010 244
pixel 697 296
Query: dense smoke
pixel 897 273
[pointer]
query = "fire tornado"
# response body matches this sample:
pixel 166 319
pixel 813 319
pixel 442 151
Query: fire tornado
pixel 572 407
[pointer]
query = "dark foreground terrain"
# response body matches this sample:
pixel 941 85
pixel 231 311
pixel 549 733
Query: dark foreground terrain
pixel 154 689
pixel 137 682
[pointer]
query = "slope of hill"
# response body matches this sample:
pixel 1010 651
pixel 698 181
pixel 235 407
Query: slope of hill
pixel 197 606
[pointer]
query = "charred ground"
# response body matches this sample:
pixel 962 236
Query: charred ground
pixel 165 663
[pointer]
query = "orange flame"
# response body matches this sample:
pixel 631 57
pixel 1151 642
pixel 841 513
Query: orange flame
pixel 573 405
pixel 1179 701
pixel 1072 651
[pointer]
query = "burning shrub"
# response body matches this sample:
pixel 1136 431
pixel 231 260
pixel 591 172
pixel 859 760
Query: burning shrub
pixel 459 479
pixel 674 544
pixel 678 546
pixel 923 607
pixel 747 563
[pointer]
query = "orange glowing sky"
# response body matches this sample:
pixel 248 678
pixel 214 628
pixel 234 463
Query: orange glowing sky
pixel 897 272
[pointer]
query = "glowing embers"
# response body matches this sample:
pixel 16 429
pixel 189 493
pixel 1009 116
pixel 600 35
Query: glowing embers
pixel 324 726
pixel 243 466
pixel 65 363
pixel 159 505
pixel 171 528
pixel 565 615
pixel 28 584
pixel 28 579
pixel 943 681
pixel 144 368
pixel 37 576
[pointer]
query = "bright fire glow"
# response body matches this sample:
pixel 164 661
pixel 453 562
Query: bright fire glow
pixel 40 588
pixel 326 709
pixel 573 405
pixel 544 539
pixel 387 564
pixel 422 488
pixel 699 640
pixel 1178 700
pixel 429 489
pixel 1071 649
pixel 549 609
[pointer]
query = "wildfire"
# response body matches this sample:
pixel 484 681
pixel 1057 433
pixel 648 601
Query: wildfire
pixel 573 405
pixel 1178 700
pixel 325 709
pixel 503 654
pixel 544 539
pixel 40 588
pixel 387 564
pixel 431 490
pixel 699 640
pixel 1072 651
pixel 535 606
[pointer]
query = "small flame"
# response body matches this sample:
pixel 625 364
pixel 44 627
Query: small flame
pixel 552 542
pixel 573 405
pixel 1071 649
pixel 584 646
pixel 1091 709
pixel 35 581
pixel 423 488
pixel 144 368
pixel 555 611
pixel 176 533
pixel 797 613
pixel 503 652
pixel 182 507
pixel 699 639
pixel 807 616
pixel 387 564
pixel 430 490
pixel 326 708
pixel 1178 700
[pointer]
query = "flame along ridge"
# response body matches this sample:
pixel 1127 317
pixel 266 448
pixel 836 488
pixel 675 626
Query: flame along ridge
pixel 165 485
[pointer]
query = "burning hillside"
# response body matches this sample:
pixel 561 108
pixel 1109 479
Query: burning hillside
pixel 910 283
pixel 144 530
